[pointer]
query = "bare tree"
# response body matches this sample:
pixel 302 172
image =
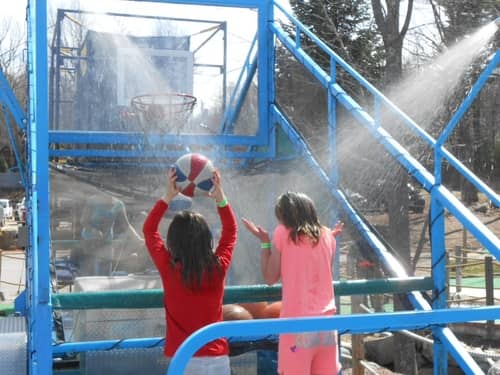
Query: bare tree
pixel 387 17
pixel 12 43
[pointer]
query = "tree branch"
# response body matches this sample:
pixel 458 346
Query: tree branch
pixel 406 24
pixel 336 34
pixel 380 17
pixel 438 21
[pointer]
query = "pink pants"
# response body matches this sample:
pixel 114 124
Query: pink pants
pixel 312 353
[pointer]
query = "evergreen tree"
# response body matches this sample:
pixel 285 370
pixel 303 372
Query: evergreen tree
pixel 348 29
pixel 464 16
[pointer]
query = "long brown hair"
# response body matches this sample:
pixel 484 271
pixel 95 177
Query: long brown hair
pixel 297 212
pixel 190 242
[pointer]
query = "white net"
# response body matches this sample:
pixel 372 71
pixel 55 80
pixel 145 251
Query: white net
pixel 164 112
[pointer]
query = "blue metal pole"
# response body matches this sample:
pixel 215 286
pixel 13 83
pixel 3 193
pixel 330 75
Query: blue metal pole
pixel 224 73
pixel 38 276
pixel 158 154
pixel 222 3
pixel 87 346
pixel 439 297
pixel 265 58
pixel 105 137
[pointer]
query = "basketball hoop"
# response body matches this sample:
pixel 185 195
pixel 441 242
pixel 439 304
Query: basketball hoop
pixel 163 111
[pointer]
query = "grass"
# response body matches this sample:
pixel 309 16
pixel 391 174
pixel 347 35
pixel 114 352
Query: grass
pixel 476 268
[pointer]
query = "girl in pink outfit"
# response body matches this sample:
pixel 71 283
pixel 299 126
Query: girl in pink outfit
pixel 301 256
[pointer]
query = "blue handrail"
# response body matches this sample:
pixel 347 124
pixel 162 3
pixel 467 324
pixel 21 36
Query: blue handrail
pixel 352 324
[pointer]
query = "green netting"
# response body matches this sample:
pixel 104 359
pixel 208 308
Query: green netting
pixel 475 282
pixel 153 298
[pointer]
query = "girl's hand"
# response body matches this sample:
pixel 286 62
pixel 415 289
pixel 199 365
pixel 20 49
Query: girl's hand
pixel 257 231
pixel 339 227
pixel 217 192
pixel 172 189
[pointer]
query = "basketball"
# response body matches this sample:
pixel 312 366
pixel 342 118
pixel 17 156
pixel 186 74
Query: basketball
pixel 255 308
pixel 194 175
pixel 235 312
pixel 272 310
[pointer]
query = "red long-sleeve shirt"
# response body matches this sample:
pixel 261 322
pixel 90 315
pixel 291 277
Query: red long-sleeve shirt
pixel 185 310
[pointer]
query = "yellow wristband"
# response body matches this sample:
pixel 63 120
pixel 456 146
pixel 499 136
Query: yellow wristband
pixel 222 203
pixel 265 245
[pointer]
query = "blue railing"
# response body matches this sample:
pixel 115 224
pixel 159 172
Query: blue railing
pixel 351 324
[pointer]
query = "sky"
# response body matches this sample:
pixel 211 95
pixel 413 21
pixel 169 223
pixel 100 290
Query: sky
pixel 241 25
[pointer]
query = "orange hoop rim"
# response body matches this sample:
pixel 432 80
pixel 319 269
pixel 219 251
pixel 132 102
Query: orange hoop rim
pixel 141 102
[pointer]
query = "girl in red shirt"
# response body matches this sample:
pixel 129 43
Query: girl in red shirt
pixel 192 274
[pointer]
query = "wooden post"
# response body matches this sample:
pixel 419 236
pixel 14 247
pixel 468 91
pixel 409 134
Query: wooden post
pixel 464 246
pixel 357 341
pixel 458 269
pixel 447 278
pixel 490 297
pixel 2 297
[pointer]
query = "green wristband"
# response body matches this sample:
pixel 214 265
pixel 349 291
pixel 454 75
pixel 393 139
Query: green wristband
pixel 222 203
pixel 265 245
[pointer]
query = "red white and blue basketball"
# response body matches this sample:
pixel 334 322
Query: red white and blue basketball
pixel 194 174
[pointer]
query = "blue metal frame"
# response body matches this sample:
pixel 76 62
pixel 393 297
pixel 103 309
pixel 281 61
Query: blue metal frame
pixel 38 299
pixel 38 277
pixel 57 57
pixel 262 138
